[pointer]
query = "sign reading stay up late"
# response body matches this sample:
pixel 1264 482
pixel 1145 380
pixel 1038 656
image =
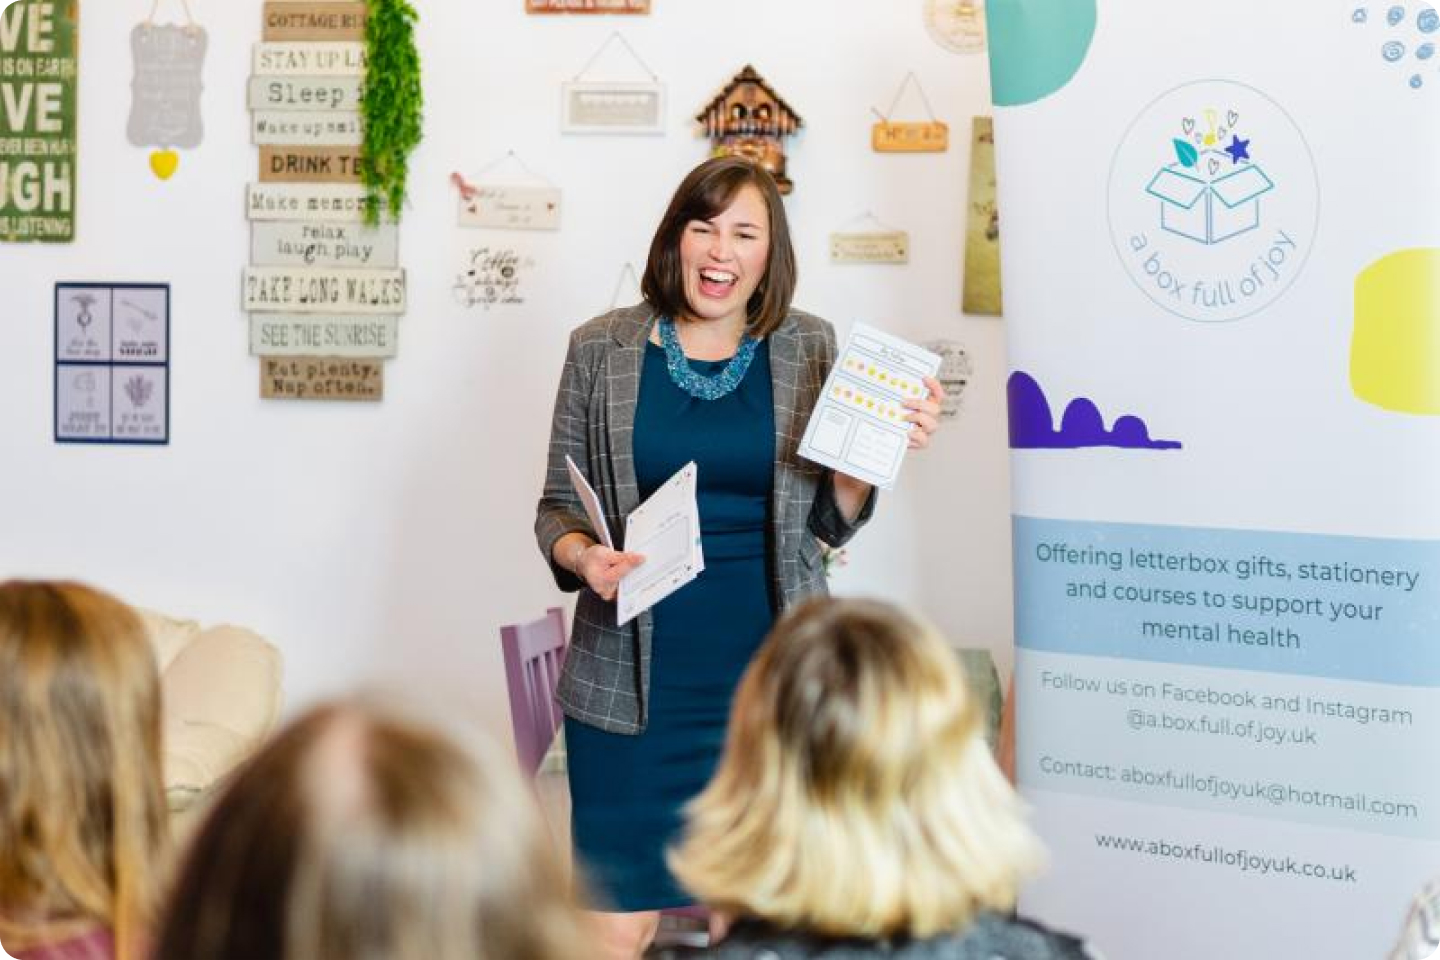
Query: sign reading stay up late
pixel 38 80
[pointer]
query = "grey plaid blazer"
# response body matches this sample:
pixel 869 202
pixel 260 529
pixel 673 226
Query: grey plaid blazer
pixel 606 676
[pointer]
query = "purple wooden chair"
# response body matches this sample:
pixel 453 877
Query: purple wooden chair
pixel 533 652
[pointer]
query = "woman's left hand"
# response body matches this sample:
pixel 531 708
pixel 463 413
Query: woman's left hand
pixel 925 414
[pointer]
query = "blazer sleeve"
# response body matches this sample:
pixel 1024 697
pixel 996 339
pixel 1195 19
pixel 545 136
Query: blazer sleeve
pixel 560 511
pixel 826 520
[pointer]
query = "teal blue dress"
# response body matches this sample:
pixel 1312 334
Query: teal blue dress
pixel 627 791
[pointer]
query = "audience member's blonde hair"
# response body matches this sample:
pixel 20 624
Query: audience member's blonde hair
pixel 856 795
pixel 82 802
pixel 365 833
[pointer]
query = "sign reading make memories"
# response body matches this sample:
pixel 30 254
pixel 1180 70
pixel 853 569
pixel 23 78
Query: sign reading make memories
pixel 38 80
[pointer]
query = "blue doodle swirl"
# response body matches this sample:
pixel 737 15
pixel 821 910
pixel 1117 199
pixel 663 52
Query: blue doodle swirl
pixel 1416 81
pixel 1394 15
pixel 1425 51
pixel 1360 15
pixel 1428 20
pixel 1393 50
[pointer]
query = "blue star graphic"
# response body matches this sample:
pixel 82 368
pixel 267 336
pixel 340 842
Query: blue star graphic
pixel 1238 149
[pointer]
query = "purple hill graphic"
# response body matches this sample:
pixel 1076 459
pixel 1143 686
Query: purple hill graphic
pixel 1033 427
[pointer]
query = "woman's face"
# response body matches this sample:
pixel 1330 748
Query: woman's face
pixel 723 259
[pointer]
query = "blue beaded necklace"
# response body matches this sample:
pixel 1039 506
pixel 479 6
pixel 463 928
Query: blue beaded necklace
pixel 696 384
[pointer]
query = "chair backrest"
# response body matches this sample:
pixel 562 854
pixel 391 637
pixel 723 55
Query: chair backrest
pixel 533 653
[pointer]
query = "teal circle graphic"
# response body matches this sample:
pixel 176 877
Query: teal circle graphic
pixel 1036 46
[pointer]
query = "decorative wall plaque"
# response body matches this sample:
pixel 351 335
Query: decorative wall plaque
pixel 284 243
pixel 587 6
pixel 879 247
pixel 165 90
pixel 314 21
pixel 321 378
pixel 290 335
pixel 309 164
pixel 38 139
pixel 324 290
pixel 341 128
pixel 909 136
pixel 612 106
pixel 508 206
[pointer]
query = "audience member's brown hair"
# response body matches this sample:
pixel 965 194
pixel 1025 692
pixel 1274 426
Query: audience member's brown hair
pixel 82 806
pixel 362 833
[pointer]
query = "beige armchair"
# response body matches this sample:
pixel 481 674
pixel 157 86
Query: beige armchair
pixel 221 688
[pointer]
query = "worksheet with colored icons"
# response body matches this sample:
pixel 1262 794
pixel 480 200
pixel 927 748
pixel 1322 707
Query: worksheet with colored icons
pixel 859 428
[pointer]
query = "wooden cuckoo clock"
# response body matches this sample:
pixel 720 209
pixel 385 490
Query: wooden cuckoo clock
pixel 748 119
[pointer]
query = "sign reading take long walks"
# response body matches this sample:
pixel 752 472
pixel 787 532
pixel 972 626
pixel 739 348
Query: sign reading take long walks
pixel 38 80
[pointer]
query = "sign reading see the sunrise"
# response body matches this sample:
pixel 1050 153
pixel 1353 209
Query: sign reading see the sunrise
pixel 37 120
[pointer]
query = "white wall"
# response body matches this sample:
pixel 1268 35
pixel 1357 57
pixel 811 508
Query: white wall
pixel 388 542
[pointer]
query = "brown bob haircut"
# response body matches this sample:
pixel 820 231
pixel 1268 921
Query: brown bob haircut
pixel 705 193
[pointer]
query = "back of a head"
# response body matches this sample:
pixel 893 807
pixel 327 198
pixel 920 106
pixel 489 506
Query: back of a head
pixel 82 809
pixel 362 833
pixel 856 795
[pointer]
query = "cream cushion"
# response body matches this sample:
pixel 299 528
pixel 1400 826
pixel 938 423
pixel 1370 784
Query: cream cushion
pixel 221 692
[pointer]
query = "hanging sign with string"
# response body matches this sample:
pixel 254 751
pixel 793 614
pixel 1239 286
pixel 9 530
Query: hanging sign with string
pixel 613 106
pixel 165 91
pixel 507 205
pixel 879 244
pixel 905 136
pixel 627 287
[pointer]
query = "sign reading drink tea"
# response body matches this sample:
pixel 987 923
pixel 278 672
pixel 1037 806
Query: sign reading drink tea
pixel 38 81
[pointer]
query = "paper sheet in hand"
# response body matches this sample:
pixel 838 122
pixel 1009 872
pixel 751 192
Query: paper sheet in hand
pixel 666 530
pixel 858 427
pixel 591 502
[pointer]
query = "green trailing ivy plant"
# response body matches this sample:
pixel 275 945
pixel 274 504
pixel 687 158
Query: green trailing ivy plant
pixel 390 105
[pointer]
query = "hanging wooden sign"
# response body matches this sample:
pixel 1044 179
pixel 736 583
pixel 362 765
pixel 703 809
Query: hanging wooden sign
pixel 314 21
pixel 305 93
pixel 318 202
pixel 505 207
pixel 324 290
pixel 888 247
pixel 321 378
pixel 38 139
pixel 286 128
pixel 305 59
pixel 904 136
pixel 309 164
pixel 304 244
pixel 587 6
pixel 291 335
pixel 165 91
pixel 612 106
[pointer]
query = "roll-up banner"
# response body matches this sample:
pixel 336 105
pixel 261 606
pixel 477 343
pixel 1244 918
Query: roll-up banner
pixel 1222 289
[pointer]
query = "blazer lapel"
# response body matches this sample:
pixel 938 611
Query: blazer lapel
pixel 785 369
pixel 622 374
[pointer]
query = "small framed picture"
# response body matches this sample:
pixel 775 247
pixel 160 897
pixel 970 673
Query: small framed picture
pixel 112 363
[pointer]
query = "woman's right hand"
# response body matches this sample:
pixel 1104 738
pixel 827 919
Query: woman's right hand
pixel 602 568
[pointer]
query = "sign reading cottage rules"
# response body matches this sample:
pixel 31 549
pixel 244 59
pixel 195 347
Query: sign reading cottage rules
pixel 38 81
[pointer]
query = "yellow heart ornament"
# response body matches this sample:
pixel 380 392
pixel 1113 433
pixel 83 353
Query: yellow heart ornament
pixel 164 163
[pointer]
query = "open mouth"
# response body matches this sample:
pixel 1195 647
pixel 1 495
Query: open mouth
pixel 716 283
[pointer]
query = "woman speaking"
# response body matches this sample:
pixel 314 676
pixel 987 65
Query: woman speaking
pixel 713 367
